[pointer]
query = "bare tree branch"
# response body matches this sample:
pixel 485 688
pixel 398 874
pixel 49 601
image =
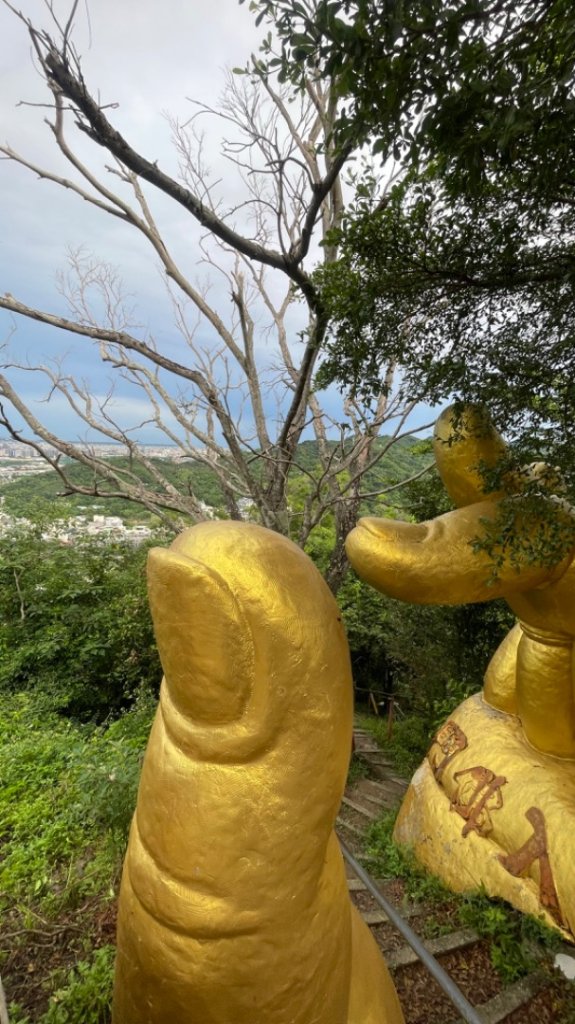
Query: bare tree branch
pixel 238 396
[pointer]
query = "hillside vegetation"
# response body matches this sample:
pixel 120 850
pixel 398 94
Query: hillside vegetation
pixel 79 676
pixel 403 459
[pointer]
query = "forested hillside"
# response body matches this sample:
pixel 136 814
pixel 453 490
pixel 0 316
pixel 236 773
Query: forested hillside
pixel 403 459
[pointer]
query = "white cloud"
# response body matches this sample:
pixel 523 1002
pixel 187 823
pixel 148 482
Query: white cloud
pixel 148 58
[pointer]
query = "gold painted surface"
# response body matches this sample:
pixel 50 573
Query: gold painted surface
pixel 531 675
pixel 499 682
pixel 462 447
pixel 465 857
pixel 435 563
pixel 234 906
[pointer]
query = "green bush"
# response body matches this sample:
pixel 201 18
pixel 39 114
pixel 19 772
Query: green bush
pixel 409 742
pixel 67 796
pixel 514 937
pixel 85 996
pixel 365 616
pixel 75 624
pixel 106 778
pixel 516 940
pixel 389 860
pixel 411 735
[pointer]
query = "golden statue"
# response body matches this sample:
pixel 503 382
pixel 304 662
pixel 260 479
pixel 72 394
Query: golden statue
pixel 234 906
pixel 494 801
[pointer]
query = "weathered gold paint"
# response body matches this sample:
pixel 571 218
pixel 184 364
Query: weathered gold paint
pixel 530 676
pixel 428 823
pixel 234 906
pixel 464 446
pixel 499 681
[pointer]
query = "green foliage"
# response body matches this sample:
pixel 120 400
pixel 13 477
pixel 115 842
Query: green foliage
pixel 66 798
pixel 106 778
pixel 81 997
pixel 492 79
pixel 441 708
pixel 473 105
pixel 410 736
pixel 514 937
pixel 532 529
pixel 409 741
pixel 46 487
pixel 357 770
pixel 74 623
pixel 364 614
pixel 432 645
pixel 516 940
pixel 85 996
pixel 432 260
pixel 389 860
pixel 37 497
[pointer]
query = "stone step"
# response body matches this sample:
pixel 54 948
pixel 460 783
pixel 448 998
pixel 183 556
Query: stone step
pixel 510 999
pixel 394 780
pixel 370 815
pixel 405 955
pixel 378 801
pixel 375 787
pixel 368 752
pixel 356 885
pixel 373 917
pixel 342 823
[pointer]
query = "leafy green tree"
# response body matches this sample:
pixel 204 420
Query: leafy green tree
pixel 74 623
pixel 484 87
pixel 480 305
pixel 463 271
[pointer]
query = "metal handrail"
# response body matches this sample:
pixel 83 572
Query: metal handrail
pixel 452 991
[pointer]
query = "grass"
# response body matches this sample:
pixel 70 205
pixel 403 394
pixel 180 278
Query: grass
pixel 409 740
pixel 81 995
pixel 411 734
pixel 67 793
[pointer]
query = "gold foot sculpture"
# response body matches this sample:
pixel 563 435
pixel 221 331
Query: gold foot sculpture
pixel 234 906
pixel 494 802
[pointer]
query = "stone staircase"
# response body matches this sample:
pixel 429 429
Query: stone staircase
pixel 363 803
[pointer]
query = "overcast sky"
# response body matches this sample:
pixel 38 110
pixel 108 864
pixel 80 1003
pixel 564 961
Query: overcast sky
pixel 150 59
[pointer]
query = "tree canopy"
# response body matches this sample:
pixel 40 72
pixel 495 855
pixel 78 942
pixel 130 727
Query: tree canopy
pixel 470 305
pixel 479 85
pixel 463 270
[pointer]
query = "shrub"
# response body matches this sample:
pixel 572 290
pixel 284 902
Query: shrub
pixel 67 797
pixel 75 624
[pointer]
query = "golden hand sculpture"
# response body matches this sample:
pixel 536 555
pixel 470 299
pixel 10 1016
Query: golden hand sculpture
pixel 234 906
pixel 494 802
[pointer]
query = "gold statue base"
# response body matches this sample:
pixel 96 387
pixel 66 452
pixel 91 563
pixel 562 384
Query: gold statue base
pixel 486 809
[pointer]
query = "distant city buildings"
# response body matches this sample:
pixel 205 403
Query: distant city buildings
pixel 67 530
pixel 10 449
pixel 18 459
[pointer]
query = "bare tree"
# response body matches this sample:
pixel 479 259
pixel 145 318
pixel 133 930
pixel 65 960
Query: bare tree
pixel 240 403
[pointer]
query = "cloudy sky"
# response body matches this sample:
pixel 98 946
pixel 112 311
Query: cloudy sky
pixel 151 60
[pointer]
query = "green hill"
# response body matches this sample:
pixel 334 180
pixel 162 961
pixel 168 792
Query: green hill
pixel 404 459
